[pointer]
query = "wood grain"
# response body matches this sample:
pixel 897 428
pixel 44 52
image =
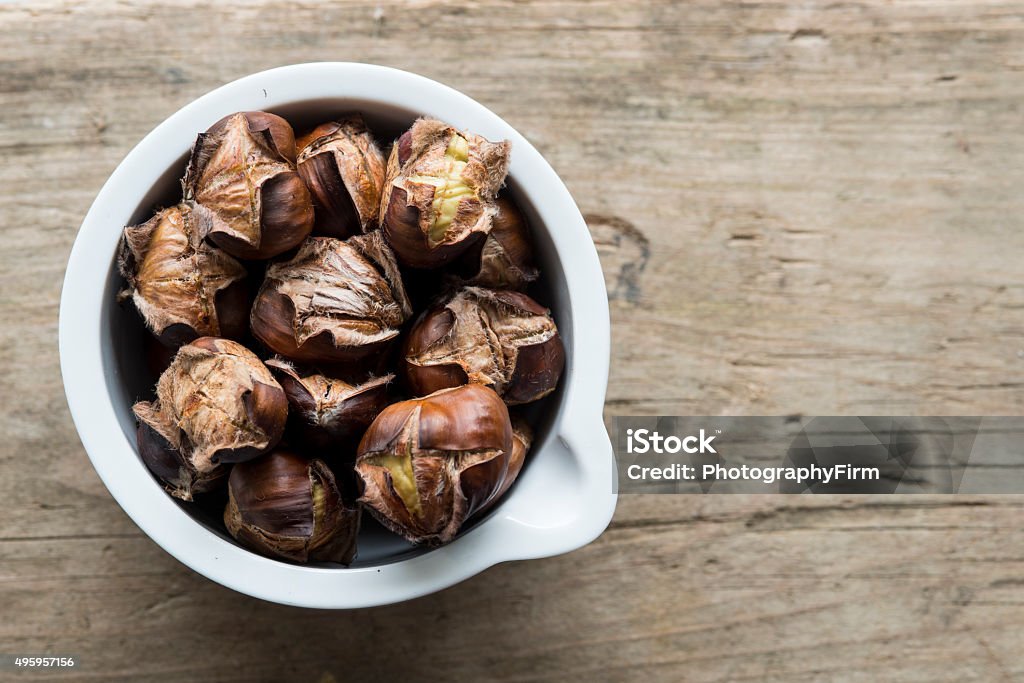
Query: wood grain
pixel 801 207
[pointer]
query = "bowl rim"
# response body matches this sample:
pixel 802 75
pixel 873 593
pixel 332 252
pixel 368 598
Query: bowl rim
pixel 505 535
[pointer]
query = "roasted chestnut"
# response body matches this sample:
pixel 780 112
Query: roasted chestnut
pixel 504 260
pixel 285 506
pixel 335 301
pixel 328 416
pixel 501 339
pixel 182 286
pixel 439 191
pixel 427 464
pixel 216 404
pixel 304 441
pixel 243 169
pixel 344 171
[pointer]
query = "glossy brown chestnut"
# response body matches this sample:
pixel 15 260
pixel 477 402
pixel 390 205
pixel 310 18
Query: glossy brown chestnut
pixel 335 301
pixel 428 464
pixel 438 194
pixel 522 439
pixel 505 258
pixel 344 171
pixel 502 339
pixel 285 506
pixel 216 404
pixel 326 415
pixel 243 170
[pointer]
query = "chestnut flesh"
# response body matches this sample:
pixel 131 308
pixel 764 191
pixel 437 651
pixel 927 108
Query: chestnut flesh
pixel 438 196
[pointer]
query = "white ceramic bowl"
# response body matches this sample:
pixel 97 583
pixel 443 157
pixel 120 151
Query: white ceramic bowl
pixel 562 500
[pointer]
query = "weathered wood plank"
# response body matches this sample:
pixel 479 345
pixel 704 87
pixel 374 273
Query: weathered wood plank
pixel 923 589
pixel 800 207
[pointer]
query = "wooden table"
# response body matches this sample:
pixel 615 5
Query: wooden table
pixel 802 207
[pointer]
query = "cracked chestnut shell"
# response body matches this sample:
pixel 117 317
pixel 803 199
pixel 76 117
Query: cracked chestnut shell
pixel 522 439
pixel 504 260
pixel 438 196
pixel 243 170
pixel 344 171
pixel 328 415
pixel 334 302
pixel 285 506
pixel 216 404
pixel 182 286
pixel 502 339
pixel 428 464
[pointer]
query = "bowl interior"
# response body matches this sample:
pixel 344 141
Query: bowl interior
pixel 129 378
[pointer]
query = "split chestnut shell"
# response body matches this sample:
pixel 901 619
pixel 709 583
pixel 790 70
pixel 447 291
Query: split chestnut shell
pixel 216 404
pixel 438 196
pixel 504 260
pixel 428 464
pixel 182 286
pixel 344 171
pixel 502 339
pixel 327 415
pixel 522 439
pixel 334 302
pixel 243 169
pixel 285 506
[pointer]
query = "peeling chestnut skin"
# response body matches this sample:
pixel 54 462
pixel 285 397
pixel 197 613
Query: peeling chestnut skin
pixel 334 302
pixel 327 416
pixel 428 464
pixel 216 404
pixel 243 170
pixel 182 286
pixel 159 450
pixel 343 168
pixel 438 195
pixel 501 339
pixel 504 260
pixel 288 507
